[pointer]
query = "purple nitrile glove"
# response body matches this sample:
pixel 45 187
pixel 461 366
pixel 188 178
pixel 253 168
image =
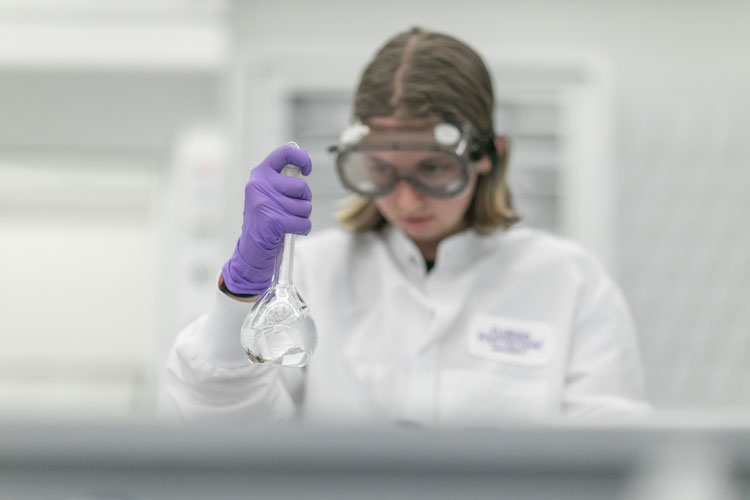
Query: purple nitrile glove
pixel 275 204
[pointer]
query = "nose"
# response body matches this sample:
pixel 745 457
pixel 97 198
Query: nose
pixel 406 196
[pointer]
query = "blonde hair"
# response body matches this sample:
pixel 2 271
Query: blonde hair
pixel 419 74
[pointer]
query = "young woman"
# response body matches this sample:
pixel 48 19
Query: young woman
pixel 432 306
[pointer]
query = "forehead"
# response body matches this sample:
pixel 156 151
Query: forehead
pixel 401 123
pixel 384 131
pixel 391 130
pixel 387 129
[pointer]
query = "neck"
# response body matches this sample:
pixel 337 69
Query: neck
pixel 427 249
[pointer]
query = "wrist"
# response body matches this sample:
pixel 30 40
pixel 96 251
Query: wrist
pixel 242 297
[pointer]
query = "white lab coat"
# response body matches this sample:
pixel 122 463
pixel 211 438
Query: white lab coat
pixel 515 325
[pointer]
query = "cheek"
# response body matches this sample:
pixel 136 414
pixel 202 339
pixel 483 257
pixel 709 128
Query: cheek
pixel 457 207
pixel 384 205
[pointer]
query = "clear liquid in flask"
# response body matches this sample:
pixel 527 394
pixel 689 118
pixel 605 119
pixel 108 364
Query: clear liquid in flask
pixel 279 333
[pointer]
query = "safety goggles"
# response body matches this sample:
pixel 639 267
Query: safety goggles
pixel 437 160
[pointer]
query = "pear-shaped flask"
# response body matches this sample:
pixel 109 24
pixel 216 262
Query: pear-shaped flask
pixel 279 329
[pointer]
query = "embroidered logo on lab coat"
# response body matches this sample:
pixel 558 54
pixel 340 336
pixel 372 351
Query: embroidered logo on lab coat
pixel 510 340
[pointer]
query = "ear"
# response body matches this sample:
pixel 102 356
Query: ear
pixel 501 144
pixel 485 164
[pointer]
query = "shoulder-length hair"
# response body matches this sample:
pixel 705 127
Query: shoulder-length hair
pixel 420 74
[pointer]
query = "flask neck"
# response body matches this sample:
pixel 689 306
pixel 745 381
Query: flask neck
pixel 285 261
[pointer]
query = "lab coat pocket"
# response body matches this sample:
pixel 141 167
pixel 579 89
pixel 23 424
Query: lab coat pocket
pixel 477 398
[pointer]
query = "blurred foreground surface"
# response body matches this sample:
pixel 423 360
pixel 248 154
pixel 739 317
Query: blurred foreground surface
pixel 660 460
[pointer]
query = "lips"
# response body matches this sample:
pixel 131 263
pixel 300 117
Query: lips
pixel 415 220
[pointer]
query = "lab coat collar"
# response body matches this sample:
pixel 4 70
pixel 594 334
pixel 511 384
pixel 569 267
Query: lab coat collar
pixel 454 253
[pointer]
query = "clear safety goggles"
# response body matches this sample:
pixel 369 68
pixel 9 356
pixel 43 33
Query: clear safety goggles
pixel 437 161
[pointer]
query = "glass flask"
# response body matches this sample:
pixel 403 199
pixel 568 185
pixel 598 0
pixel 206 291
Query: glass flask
pixel 279 330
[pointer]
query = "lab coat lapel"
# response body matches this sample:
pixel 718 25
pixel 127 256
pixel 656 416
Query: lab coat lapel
pixel 439 293
pixel 374 349
pixel 419 309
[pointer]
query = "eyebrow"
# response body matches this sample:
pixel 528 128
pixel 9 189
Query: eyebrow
pixel 378 161
pixel 432 159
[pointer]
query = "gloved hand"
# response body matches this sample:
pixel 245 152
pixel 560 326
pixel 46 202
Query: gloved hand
pixel 275 204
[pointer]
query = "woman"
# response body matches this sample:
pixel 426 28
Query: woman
pixel 432 306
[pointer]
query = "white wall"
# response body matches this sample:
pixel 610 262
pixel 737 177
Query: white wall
pixel 93 97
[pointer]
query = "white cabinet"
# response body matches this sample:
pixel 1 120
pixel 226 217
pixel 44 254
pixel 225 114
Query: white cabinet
pixel 93 97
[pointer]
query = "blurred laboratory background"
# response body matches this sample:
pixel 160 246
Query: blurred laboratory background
pixel 128 129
